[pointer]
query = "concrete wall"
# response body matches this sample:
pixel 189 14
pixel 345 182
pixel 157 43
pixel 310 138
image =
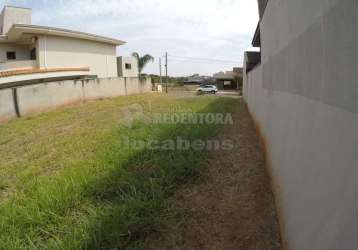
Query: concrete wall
pixel 62 52
pixel 121 64
pixel 41 97
pixel 14 15
pixel 112 87
pixel 304 97
pixel 7 110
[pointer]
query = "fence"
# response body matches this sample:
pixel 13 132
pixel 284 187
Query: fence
pixel 21 101
pixel 304 98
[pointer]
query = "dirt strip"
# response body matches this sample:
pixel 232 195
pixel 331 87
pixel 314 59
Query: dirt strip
pixel 231 206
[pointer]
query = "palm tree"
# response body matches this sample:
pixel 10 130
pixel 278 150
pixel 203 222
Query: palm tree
pixel 142 61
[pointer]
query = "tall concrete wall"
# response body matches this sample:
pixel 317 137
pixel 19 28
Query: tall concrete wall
pixel 104 88
pixel 304 97
pixel 7 110
pixel 41 97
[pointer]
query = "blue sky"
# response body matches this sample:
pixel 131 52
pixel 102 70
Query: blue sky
pixel 219 29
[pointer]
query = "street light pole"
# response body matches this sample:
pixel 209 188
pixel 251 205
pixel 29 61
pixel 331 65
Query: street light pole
pixel 160 70
pixel 166 72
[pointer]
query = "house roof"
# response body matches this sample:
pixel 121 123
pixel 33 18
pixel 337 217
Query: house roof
pixel 252 59
pixel 16 7
pixel 19 29
pixel 262 6
pixel 256 40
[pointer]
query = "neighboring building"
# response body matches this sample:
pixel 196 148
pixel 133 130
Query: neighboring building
pixel 238 71
pixel 36 52
pixel 229 79
pixel 302 91
pixel 197 79
pixel 127 66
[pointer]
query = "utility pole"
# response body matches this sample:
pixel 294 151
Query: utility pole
pixel 160 71
pixel 166 72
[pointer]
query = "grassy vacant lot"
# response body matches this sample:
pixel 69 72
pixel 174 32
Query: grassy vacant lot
pixel 67 180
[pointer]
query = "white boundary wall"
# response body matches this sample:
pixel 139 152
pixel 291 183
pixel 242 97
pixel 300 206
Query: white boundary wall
pixel 7 110
pixel 304 98
pixel 41 97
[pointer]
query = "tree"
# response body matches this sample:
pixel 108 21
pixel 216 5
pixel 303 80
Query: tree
pixel 142 61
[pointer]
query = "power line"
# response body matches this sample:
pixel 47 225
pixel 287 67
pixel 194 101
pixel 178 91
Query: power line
pixel 204 59
pixel 201 62
pixel 196 59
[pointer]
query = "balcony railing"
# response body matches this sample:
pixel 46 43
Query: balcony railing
pixel 18 64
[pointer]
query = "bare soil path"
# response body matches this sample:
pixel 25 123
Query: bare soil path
pixel 231 206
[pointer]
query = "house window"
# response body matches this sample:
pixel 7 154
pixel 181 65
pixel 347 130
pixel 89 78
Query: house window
pixel 128 66
pixel 33 54
pixel 11 55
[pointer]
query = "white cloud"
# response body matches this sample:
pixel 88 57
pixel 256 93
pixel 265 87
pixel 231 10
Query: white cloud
pixel 195 28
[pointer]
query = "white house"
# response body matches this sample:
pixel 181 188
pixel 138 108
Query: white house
pixel 127 67
pixel 34 52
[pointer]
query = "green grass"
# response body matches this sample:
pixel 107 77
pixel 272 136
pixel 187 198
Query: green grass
pixel 67 181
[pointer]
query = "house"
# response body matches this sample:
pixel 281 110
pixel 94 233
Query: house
pixel 127 67
pixel 229 79
pixel 197 79
pixel 32 52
